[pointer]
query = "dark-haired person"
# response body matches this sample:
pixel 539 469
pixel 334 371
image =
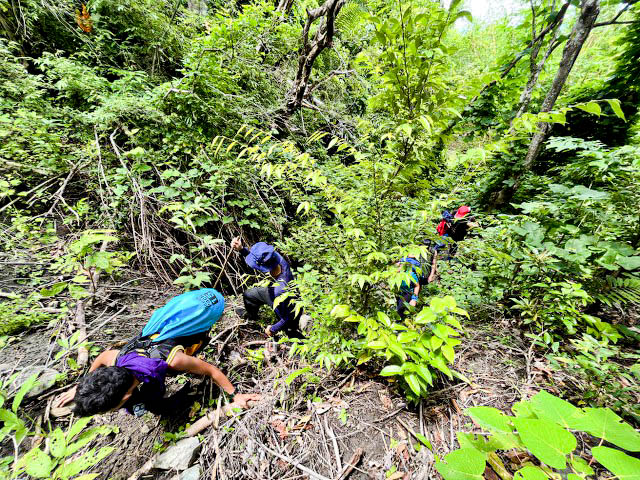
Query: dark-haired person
pixel 134 376
pixel 264 258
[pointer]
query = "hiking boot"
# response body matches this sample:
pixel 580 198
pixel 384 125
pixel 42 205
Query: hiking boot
pixel 241 312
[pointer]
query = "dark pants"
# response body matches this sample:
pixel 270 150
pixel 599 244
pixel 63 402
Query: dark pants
pixel 403 301
pixel 256 297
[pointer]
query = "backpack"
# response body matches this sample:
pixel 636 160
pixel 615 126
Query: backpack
pixel 445 223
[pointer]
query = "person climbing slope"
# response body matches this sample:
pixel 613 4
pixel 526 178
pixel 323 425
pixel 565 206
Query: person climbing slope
pixel 455 227
pixel 409 291
pixel 264 258
pixel 134 377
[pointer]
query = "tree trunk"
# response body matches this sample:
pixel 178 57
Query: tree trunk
pixel 589 10
pixel 536 68
pixel 310 51
pixel 284 6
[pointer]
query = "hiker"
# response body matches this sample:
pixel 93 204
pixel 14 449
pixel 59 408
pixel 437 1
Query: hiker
pixel 456 227
pixel 264 258
pixel 409 291
pixel 134 376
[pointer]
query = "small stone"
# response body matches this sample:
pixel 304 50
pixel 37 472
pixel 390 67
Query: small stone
pixel 178 456
pixel 46 378
pixel 192 473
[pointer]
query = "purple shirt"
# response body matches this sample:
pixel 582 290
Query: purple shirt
pixel 146 370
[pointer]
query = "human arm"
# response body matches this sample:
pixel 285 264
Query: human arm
pixel 182 362
pixel 105 359
pixel 434 268
pixel 414 297
pixel 236 244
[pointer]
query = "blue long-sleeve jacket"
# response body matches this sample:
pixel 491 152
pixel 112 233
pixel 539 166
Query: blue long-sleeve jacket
pixel 285 310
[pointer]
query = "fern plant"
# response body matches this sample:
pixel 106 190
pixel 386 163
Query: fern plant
pixel 619 290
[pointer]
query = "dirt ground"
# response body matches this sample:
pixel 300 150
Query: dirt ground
pixel 318 419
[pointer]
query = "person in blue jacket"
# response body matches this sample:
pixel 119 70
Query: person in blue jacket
pixel 134 376
pixel 409 291
pixel 264 258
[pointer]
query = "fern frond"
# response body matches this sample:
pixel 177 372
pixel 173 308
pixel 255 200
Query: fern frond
pixel 351 17
pixel 619 290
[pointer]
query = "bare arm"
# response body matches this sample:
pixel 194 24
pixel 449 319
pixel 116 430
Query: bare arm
pixel 184 363
pixel 434 268
pixel 105 359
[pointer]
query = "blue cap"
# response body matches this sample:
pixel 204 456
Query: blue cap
pixel 263 257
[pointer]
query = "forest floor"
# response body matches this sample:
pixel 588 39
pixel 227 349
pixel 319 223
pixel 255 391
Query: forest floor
pixel 309 417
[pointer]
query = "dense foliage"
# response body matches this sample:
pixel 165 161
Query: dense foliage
pixel 158 131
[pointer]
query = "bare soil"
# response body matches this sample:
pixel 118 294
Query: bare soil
pixel 320 419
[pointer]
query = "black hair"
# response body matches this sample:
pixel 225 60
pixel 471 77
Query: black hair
pixel 102 390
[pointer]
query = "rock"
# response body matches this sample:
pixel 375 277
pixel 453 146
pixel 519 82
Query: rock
pixel 46 378
pixel 306 322
pixel 178 456
pixel 192 473
pixel 236 359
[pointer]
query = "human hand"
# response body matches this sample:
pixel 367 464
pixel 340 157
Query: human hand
pixel 268 331
pixel 413 303
pixel 236 244
pixel 246 400
pixel 65 398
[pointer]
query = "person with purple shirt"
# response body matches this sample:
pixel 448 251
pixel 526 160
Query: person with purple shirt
pixel 264 258
pixel 133 377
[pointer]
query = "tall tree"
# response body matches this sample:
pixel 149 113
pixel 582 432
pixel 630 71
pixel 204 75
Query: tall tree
pixel 537 41
pixel 589 10
pixel 310 50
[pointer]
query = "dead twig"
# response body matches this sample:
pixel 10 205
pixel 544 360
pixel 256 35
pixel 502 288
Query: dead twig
pixel 353 461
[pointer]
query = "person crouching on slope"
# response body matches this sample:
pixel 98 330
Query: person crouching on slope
pixel 264 258
pixel 134 377
pixel 409 291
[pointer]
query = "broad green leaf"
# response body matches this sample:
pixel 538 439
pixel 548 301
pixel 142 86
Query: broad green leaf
pixel 614 103
pixel 439 363
pixel 555 409
pixel 77 427
pixel 463 464
pixel 295 374
pixel 530 473
pixel 413 382
pixel 425 373
pixel 623 466
pixel 24 389
pixel 36 463
pixel 490 418
pixel 580 465
pixel 390 370
pixel 426 315
pixel 604 423
pixel 57 443
pixel 340 311
pixel 591 107
pixel 376 345
pixel 423 440
pixel 547 441
pixel 55 289
pixel 629 263
pixel 447 351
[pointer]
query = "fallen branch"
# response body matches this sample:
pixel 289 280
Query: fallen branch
pixel 293 462
pixel 353 461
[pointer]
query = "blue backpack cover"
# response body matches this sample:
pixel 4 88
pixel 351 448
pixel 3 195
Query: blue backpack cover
pixel 187 314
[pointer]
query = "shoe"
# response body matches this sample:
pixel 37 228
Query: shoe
pixel 241 312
